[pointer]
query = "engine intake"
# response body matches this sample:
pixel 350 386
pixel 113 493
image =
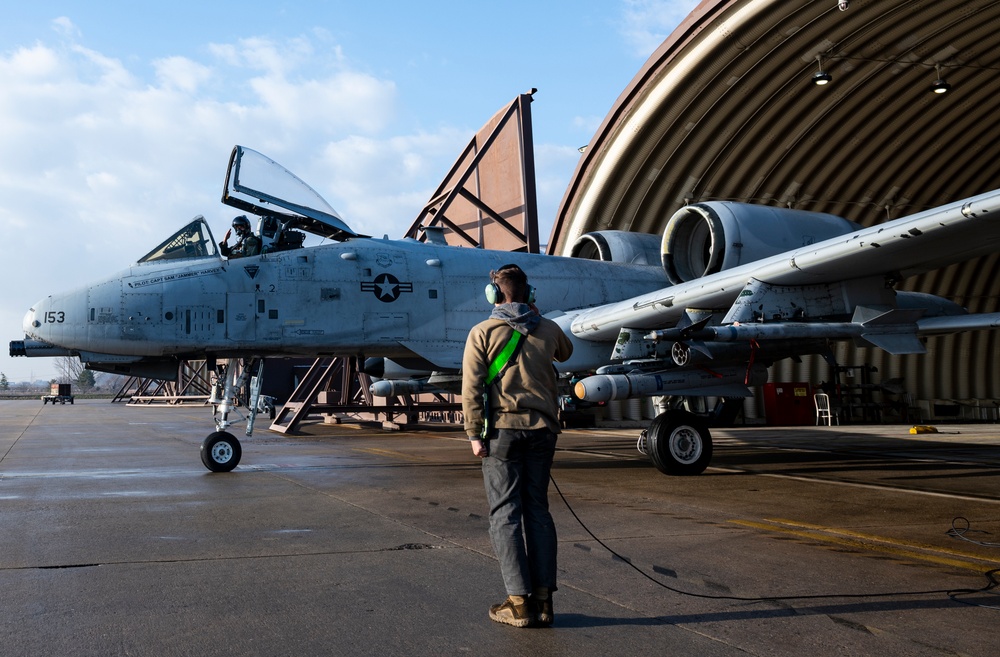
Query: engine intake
pixel 706 238
pixel 618 246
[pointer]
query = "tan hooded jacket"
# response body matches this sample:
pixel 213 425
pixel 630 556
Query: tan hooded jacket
pixel 525 395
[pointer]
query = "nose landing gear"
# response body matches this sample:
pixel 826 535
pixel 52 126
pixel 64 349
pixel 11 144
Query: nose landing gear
pixel 221 451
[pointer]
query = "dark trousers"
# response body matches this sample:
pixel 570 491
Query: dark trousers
pixel 516 474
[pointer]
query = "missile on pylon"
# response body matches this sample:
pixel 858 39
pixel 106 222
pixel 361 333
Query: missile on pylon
pixel 724 381
pixel 397 387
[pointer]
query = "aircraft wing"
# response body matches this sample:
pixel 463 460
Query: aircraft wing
pixel 896 249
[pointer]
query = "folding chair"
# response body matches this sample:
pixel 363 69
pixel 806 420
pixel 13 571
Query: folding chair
pixel 824 416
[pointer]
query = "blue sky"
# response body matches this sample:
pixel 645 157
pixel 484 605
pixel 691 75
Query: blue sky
pixel 117 118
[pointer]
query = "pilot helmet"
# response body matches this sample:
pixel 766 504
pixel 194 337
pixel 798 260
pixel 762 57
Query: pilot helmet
pixel 241 224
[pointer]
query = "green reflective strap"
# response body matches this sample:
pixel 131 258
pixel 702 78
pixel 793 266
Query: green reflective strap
pixel 503 357
pixel 495 368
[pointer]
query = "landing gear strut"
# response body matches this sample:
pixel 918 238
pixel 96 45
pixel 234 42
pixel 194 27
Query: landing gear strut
pixel 221 451
pixel 678 443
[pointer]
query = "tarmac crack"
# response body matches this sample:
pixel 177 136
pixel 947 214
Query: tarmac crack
pixel 284 555
pixel 20 435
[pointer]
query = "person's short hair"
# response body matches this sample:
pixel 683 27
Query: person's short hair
pixel 512 283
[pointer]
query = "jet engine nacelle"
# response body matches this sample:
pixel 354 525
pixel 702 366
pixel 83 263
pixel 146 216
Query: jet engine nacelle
pixel 706 238
pixel 618 246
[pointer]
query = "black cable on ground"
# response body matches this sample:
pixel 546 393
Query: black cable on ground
pixel 961 526
pixel 951 593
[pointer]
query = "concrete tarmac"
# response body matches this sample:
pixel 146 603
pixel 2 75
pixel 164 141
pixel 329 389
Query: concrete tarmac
pixel 348 540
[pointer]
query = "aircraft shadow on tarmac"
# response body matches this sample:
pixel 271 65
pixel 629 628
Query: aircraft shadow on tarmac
pixel 859 453
pixel 787 610
pixel 809 452
pixel 775 609
pixel 806 450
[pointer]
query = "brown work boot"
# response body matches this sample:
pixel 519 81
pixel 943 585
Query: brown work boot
pixel 540 606
pixel 512 611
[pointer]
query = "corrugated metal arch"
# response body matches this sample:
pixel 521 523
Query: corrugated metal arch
pixel 725 109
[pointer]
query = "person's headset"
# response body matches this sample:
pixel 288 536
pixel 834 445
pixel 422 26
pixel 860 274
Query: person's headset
pixel 493 292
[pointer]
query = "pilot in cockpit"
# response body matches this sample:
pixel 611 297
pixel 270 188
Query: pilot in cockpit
pixel 247 244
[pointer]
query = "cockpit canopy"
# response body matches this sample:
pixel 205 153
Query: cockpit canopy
pixel 288 200
pixel 288 204
pixel 193 241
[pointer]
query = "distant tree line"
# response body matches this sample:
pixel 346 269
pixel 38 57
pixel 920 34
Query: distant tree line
pixel 69 370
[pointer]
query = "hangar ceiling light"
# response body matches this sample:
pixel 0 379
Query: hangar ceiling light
pixel 940 86
pixel 821 77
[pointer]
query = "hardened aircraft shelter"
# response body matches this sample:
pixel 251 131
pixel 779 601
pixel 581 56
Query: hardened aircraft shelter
pixel 868 110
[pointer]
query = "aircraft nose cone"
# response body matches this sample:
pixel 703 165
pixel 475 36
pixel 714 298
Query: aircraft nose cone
pixel 31 323
pixel 41 322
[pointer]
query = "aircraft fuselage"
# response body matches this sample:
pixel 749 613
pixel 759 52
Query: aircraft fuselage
pixel 363 296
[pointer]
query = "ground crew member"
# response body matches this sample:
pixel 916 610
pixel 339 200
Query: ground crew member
pixel 512 425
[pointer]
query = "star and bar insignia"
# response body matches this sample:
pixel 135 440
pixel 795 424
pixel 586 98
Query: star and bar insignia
pixel 386 287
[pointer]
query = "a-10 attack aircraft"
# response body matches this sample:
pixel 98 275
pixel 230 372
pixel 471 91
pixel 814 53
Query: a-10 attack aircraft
pixel 728 290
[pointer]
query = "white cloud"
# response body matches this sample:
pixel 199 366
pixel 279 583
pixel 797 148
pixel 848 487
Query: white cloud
pixel 384 182
pixel 226 53
pixel 65 27
pixel 647 23
pixel 181 73
pixel 106 72
pixel 345 101
pixel 29 64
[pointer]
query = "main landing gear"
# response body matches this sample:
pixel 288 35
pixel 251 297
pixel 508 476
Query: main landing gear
pixel 678 443
pixel 221 451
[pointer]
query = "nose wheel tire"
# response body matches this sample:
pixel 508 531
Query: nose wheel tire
pixel 221 452
pixel 679 443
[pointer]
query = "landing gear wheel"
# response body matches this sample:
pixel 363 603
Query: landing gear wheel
pixel 678 443
pixel 221 452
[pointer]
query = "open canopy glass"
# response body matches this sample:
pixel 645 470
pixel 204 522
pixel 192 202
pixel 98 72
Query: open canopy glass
pixel 259 185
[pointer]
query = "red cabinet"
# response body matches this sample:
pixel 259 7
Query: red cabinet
pixel 789 404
